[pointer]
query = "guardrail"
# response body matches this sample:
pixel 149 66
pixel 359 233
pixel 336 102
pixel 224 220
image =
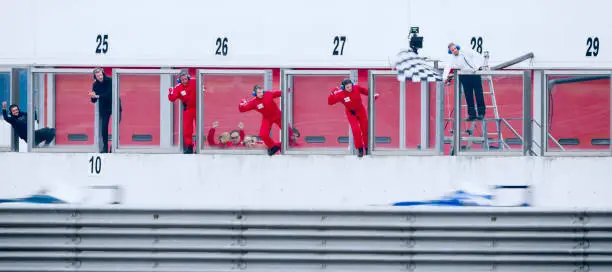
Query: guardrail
pixel 63 238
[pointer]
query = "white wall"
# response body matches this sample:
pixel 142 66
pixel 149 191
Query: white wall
pixel 280 33
pixel 226 180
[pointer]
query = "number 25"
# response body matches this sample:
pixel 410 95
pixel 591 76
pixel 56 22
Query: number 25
pixel 102 41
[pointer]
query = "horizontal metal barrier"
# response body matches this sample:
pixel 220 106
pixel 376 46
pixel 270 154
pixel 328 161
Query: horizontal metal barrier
pixel 64 238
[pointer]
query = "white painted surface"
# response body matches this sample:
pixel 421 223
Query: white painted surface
pixel 279 33
pixel 305 181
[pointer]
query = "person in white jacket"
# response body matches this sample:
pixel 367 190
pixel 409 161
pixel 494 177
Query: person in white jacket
pixel 468 60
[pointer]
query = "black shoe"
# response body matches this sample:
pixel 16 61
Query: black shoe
pixel 273 150
pixel 367 152
pixel 188 150
pixel 360 154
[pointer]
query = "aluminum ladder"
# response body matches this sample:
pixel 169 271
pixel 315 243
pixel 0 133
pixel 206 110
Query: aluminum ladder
pixel 485 139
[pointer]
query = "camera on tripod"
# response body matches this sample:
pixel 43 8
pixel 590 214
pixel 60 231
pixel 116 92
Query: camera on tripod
pixel 416 42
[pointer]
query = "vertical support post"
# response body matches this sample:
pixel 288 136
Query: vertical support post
pixel 40 87
pixel 166 110
pixel 51 100
pixel 354 76
pixel 289 85
pixel 268 80
pixel 14 99
pixel 402 114
pixel 544 114
pixel 181 141
pixel 538 118
pixel 97 128
pixel 200 111
pixel 527 118
pixel 457 128
pixel 30 111
pixel 267 85
pixel 371 112
pixel 285 112
pixel 424 115
pixel 115 112
pixel 440 117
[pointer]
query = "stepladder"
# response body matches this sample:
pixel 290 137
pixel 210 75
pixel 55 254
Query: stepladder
pixel 486 131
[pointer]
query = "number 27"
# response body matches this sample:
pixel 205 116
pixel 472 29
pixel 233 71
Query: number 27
pixel 337 41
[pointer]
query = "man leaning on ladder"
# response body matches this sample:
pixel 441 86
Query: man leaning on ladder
pixel 471 61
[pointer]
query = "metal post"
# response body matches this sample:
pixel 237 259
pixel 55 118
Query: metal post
pixel 30 111
pixel 424 114
pixel 285 112
pixel 440 117
pixel 115 112
pixel 51 100
pixel 268 80
pixel 402 114
pixel 291 98
pixel 457 128
pixel 200 112
pixel 14 99
pixel 371 112
pixel 354 76
pixel 166 111
pixel 544 113
pixel 41 111
pixel 538 94
pixel 527 118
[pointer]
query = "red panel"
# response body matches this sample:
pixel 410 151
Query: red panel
pixel 223 94
pixel 582 111
pixel 140 101
pixel 579 110
pixel 74 110
pixel 311 114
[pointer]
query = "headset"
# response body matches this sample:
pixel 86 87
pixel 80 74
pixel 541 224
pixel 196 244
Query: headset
pixel 456 45
pixel 178 80
pixel 255 89
pixel 345 82
pixel 98 69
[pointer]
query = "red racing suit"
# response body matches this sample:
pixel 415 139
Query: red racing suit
pixel 213 142
pixel 188 95
pixel 355 112
pixel 270 114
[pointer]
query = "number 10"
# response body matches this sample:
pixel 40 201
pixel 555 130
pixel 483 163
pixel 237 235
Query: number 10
pixel 95 165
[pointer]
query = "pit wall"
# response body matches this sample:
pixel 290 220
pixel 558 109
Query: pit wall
pixel 312 181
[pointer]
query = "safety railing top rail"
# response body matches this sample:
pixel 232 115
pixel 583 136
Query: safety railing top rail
pixel 514 61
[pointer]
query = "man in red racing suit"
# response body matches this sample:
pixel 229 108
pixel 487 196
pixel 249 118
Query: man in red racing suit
pixel 186 91
pixel 264 103
pixel 350 95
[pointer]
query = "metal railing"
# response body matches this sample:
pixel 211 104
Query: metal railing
pixel 537 124
pixel 526 114
pixel 31 110
pixel 65 238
